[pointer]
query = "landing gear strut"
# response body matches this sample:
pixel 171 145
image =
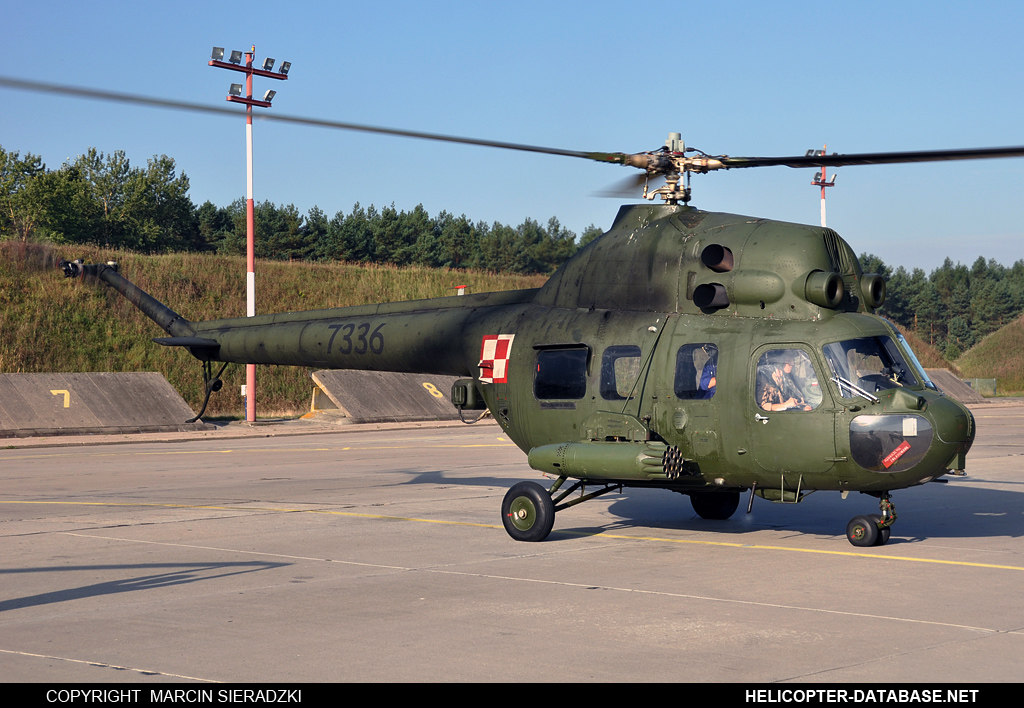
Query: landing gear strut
pixel 873 529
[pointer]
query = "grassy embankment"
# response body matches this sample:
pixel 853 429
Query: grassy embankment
pixel 998 356
pixel 50 324
pixel 929 356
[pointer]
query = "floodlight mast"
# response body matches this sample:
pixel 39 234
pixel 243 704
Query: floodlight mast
pixel 820 180
pixel 250 219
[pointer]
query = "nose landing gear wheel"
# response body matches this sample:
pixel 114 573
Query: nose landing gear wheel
pixel 527 512
pixel 862 531
pixel 883 531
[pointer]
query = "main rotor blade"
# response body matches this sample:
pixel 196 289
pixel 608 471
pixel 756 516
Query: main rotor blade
pixel 640 160
pixel 872 158
pixel 40 87
pixel 627 187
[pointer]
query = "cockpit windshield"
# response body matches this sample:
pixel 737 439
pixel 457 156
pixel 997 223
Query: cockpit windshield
pixel 918 369
pixel 868 364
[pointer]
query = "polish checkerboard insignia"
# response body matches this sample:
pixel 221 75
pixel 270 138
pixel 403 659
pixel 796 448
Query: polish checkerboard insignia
pixel 494 354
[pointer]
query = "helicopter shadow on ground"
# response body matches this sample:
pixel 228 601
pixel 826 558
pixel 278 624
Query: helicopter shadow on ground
pixel 442 478
pixel 148 576
pixel 952 510
pixel 928 512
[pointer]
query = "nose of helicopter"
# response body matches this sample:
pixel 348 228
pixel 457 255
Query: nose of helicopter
pixel 954 431
pixel 917 438
pixel 953 422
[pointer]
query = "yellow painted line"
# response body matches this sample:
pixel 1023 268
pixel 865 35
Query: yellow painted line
pixel 761 547
pixel 623 537
pixel 289 450
pixel 153 504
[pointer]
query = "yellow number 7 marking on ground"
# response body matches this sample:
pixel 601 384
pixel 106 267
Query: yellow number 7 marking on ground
pixel 67 396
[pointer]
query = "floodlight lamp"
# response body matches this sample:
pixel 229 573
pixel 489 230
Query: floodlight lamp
pixel 810 153
pixel 833 180
pixel 817 178
pixel 268 64
pixel 285 66
pixel 235 90
pixel 218 54
pixel 236 57
pixel 269 96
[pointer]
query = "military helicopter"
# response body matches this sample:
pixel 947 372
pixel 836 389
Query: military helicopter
pixel 704 353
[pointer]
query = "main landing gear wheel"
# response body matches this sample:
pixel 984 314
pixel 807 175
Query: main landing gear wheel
pixel 715 505
pixel 528 512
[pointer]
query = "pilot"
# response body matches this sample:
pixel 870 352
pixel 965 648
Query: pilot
pixel 777 391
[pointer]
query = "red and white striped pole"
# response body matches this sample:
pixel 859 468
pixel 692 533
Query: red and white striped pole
pixel 250 241
pixel 250 209
pixel 821 181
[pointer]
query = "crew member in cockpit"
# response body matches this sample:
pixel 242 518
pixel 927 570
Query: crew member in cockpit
pixel 776 389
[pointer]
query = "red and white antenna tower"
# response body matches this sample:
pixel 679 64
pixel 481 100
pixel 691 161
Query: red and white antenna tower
pixel 821 179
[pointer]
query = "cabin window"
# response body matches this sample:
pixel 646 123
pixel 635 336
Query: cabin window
pixel 561 374
pixel 696 371
pixel 786 381
pixel 620 368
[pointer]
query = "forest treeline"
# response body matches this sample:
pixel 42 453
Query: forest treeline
pixel 102 200
pixel 954 306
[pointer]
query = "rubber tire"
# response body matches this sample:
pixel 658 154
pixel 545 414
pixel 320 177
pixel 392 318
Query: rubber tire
pixel 883 533
pixel 528 512
pixel 716 506
pixel 862 531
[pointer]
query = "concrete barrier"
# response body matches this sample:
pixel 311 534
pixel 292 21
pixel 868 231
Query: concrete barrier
pixel 83 403
pixel 382 397
pixel 949 384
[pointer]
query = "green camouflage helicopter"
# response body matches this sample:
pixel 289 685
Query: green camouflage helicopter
pixel 704 353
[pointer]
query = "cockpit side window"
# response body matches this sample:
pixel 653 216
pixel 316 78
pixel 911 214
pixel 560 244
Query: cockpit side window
pixel 786 381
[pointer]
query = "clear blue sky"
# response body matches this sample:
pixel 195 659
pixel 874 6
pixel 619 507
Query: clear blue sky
pixel 740 78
